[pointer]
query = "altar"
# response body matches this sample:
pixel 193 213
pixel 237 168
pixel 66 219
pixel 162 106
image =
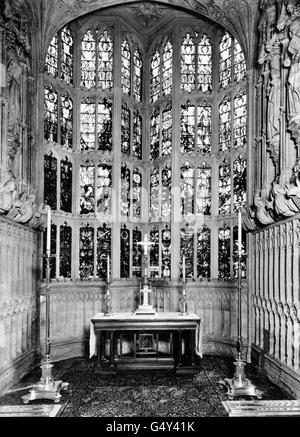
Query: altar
pixel 180 332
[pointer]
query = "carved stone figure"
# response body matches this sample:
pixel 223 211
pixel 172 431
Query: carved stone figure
pixel 248 220
pixel 294 75
pixel 282 205
pixel 14 97
pixel 8 192
pixel 293 192
pixel 262 214
pixel 273 112
pixel 39 218
pixel 27 207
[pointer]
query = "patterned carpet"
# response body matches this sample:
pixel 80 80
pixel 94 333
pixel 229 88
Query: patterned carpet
pixel 143 393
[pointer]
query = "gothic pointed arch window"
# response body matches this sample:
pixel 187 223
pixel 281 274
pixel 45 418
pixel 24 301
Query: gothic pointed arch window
pixel 188 64
pixel 167 69
pixel 88 60
pixel 105 60
pixel 137 75
pixel 155 76
pixel 126 67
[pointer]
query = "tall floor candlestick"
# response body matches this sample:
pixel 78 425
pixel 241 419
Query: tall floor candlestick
pixel 183 267
pixel 239 385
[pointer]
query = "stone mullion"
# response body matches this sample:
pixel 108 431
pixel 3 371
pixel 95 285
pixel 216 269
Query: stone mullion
pixel 261 286
pixel 282 281
pixel 250 131
pixel 257 180
pixel 3 102
pixel 296 253
pixel 116 156
pixel 276 263
pixel 288 260
pixel 57 248
pixel 264 167
pixel 176 111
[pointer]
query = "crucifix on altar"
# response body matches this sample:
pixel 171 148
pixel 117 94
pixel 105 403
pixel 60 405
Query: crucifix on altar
pixel 145 292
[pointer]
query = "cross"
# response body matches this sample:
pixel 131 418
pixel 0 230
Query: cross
pixel 146 243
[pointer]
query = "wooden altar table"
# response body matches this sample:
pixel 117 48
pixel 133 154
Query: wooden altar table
pixel 183 332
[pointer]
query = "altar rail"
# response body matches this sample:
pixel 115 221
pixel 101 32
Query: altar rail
pixel 276 300
pixel 18 309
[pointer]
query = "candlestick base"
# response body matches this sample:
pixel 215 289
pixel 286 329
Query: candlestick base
pixel 239 385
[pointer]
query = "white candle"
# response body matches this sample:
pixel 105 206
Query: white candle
pixel 48 247
pixel 107 268
pixel 239 232
pixel 183 267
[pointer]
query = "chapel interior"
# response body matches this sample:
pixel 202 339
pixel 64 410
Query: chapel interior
pixel 157 121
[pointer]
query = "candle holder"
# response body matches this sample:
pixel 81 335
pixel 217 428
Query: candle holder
pixel 107 301
pixel 47 388
pixel 239 385
pixel 183 302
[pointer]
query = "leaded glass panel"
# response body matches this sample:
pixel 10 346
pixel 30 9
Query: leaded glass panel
pixel 87 125
pixel 65 256
pixel 155 77
pixel 204 189
pixel 125 190
pixel 188 114
pixel 240 119
pixel 225 60
pixel 204 128
pixel 167 69
pixel 154 135
pixel 87 190
pixel 154 253
pixel 188 64
pixel 50 114
pixel 104 184
pixel 224 252
pixel 66 185
pixel 136 253
pixel 137 75
pixel 166 187
pixel 225 125
pixel 66 62
pixel 239 62
pixel 205 64
pixel 239 183
pixel 243 252
pixel 104 136
pixel 66 120
pixel 137 193
pixel 187 250
pixel 103 250
pixel 224 188
pixel 51 64
pixel 137 135
pixel 88 61
pixel 187 189
pixel 105 61
pixel 166 143
pixel 203 252
pixel 125 252
pixel 125 130
pixel 166 252
pixel 86 252
pixel 154 192
pixel 50 181
pixel 126 67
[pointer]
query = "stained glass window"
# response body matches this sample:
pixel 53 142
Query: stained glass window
pixel 166 186
pixel 136 253
pixel 137 193
pixel 225 60
pixel 224 188
pixel 203 252
pixel 66 185
pixel 103 250
pixel 239 182
pixel 51 64
pixel 50 180
pixel 187 142
pixel 225 125
pixel 125 190
pixel 154 252
pixel 50 114
pixel 65 251
pixel 187 250
pixel 166 142
pixel 104 183
pixel 66 55
pixel 155 77
pixel 167 69
pixel 154 135
pixel 188 64
pixel 166 252
pixel 137 135
pixel 88 60
pixel 87 190
pixel 125 130
pixel 66 126
pixel 240 119
pixel 204 128
pixel 137 75
pixel 243 252
pixel 126 67
pixel 105 61
pixel 86 252
pixel 53 250
pixel 104 136
pixel 125 252
pixel 239 62
pixel 205 64
pixel 87 125
pixel 224 252
pixel 187 189
pixel 203 199
pixel 154 192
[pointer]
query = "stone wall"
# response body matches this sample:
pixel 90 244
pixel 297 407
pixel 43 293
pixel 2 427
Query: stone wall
pixel 18 305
